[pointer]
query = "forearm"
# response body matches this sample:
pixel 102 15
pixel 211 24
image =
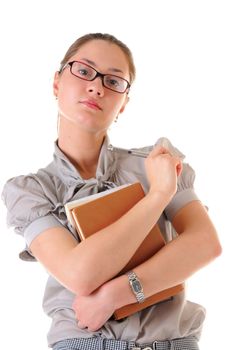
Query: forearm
pixel 175 263
pixel 104 254
pixel 182 254
pixel 84 267
pixel 172 265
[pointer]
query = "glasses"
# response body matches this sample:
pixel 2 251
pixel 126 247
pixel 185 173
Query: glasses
pixel 86 72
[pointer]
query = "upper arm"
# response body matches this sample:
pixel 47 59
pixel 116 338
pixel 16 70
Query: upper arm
pixel 193 219
pixel 32 212
pixel 53 248
pixel 187 213
pixel 192 216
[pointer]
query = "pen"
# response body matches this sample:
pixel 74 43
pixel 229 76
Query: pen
pixel 133 152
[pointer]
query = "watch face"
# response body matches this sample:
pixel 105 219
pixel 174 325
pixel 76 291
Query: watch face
pixel 136 286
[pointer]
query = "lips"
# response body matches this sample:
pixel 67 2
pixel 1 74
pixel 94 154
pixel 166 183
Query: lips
pixel 91 104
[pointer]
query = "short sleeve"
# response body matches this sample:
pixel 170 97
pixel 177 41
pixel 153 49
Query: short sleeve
pixel 29 210
pixel 185 192
pixel 185 186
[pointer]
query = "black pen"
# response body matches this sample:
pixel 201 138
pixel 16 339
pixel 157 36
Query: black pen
pixel 133 152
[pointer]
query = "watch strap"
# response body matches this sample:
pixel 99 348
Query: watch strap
pixel 136 286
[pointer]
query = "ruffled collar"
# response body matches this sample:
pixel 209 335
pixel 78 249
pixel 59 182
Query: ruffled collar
pixel 104 174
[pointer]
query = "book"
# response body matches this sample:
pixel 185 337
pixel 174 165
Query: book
pixel 95 212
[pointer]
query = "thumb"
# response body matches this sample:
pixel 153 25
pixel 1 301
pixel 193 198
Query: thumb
pixel 179 167
pixel 158 150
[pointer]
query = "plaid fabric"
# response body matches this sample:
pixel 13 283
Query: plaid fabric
pixel 95 343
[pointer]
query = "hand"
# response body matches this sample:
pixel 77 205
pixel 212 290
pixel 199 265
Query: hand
pixel 162 171
pixel 94 310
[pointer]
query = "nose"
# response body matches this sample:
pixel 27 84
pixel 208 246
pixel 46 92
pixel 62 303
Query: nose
pixel 96 87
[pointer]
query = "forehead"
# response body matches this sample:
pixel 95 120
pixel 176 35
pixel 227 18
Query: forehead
pixel 105 56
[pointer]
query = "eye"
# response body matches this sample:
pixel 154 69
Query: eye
pixel 83 72
pixel 112 81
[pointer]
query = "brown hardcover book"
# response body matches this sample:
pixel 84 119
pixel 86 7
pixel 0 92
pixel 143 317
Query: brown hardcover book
pixel 95 212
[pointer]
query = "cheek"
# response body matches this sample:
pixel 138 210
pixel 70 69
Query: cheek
pixel 116 106
pixel 68 94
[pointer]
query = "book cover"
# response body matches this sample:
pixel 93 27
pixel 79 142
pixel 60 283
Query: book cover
pixel 96 212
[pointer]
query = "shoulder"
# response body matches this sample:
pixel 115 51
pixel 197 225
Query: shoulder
pixel 165 142
pixel 39 183
pixel 185 185
pixel 27 195
pixel 18 185
pixel 131 168
pixel 33 183
pixel 21 195
pixel 30 205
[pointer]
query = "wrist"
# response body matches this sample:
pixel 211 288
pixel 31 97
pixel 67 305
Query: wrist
pixel 136 286
pixel 159 197
pixel 119 292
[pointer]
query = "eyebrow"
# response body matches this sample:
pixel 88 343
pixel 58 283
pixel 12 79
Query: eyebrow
pixel 115 70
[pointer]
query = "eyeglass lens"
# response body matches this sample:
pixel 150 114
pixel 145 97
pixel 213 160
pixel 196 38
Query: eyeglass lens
pixel 85 72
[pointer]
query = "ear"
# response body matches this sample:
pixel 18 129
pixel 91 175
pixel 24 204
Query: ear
pixel 56 84
pixel 124 104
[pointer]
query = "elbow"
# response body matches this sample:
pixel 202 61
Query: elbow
pixel 81 290
pixel 213 246
pixel 216 250
pixel 81 283
pixel 79 274
pixel 79 287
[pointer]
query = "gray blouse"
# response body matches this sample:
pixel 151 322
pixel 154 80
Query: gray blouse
pixel 35 203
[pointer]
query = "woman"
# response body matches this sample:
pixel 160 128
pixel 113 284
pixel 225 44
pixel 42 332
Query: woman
pixel 82 292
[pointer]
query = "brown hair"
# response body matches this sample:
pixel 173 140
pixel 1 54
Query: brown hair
pixel 100 36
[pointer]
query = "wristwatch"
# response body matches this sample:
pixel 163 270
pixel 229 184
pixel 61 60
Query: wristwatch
pixel 136 286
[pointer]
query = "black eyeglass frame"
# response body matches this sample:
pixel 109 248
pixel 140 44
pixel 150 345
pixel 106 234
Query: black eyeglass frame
pixel 98 74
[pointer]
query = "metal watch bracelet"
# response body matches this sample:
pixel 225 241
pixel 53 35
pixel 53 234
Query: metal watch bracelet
pixel 136 286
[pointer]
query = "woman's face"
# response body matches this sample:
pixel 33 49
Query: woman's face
pixel 88 104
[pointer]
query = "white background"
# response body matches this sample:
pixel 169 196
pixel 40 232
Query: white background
pixel 182 51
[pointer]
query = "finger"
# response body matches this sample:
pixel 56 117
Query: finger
pixel 159 150
pixel 178 164
pixel 179 168
pixel 81 325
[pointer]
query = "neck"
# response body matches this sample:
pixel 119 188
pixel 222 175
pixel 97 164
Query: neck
pixel 81 147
